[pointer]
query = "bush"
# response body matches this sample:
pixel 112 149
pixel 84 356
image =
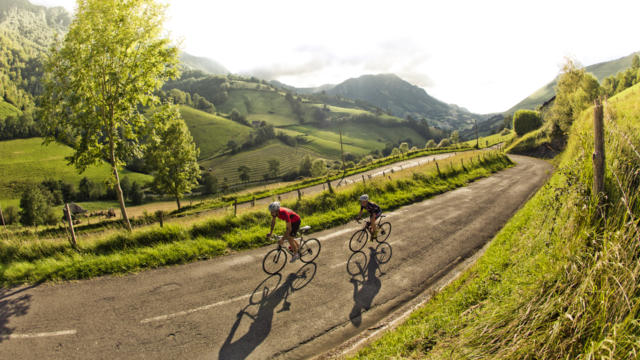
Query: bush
pixel 505 132
pixel 444 143
pixel 11 215
pixel 525 121
pixel 430 144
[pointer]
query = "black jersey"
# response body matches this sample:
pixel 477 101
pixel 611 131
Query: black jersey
pixel 371 207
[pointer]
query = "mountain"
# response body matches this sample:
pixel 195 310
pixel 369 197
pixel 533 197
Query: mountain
pixel 26 32
pixel 599 70
pixel 302 91
pixel 203 64
pixel 402 99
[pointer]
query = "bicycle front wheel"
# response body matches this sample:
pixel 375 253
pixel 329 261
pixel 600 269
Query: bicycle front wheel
pixel 274 261
pixel 309 250
pixel 384 230
pixel 358 240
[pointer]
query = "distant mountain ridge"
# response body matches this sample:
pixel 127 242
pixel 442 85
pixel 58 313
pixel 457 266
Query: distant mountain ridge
pixel 400 98
pixel 203 64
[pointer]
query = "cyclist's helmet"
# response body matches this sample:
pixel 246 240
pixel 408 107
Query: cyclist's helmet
pixel 274 206
pixel 364 197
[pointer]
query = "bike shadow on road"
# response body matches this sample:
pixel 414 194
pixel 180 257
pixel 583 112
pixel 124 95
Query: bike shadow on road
pixel 266 297
pixel 11 306
pixel 364 277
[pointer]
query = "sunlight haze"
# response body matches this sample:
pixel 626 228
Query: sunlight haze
pixel 484 56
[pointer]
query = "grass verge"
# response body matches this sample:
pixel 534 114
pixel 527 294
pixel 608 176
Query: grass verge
pixel 35 261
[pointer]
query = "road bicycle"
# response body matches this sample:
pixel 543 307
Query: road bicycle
pixel 276 259
pixel 360 237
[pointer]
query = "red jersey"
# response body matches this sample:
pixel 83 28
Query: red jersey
pixel 288 215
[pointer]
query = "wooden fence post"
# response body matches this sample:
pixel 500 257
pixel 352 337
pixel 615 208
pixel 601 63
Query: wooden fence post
pixel 299 194
pixel 74 243
pixel 253 201
pixel 2 217
pixel 329 186
pixel 235 207
pixel 598 150
pixel 438 168
pixel 363 179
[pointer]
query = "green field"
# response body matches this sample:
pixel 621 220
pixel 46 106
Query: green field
pixel 260 105
pixel 490 140
pixel 28 161
pixel 256 160
pixel 211 133
pixel 7 110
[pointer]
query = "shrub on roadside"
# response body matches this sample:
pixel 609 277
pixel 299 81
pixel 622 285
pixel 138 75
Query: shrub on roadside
pixel 525 121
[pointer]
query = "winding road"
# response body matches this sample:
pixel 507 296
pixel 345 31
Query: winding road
pixel 227 308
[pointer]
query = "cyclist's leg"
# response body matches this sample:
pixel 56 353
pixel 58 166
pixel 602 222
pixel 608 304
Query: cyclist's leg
pixel 291 237
pixel 372 220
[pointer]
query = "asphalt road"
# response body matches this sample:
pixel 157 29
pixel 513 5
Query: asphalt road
pixel 228 308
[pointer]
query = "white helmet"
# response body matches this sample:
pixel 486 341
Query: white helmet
pixel 274 206
pixel 364 197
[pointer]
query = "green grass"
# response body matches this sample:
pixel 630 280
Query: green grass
pixel 28 161
pixel 7 110
pixel 28 261
pixel 528 142
pixel 561 279
pixel 212 133
pixel 490 140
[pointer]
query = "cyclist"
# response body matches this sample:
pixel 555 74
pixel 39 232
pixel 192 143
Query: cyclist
pixel 293 225
pixel 374 213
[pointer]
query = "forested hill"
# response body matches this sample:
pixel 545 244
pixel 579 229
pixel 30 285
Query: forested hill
pixel 26 32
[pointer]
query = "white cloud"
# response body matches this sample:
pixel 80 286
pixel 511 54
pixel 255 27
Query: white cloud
pixel 482 55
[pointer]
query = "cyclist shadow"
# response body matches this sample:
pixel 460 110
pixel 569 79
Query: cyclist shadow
pixel 11 307
pixel 368 286
pixel 266 297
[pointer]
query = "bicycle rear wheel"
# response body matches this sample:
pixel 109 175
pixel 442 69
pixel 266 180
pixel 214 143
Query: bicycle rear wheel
pixel 274 261
pixel 358 240
pixel 309 250
pixel 384 230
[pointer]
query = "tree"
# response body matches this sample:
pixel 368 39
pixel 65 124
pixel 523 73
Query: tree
pixel 455 137
pixel 172 154
pixel 635 62
pixel 444 143
pixel 318 168
pixel 210 183
pixel 109 66
pixel 305 165
pixel 35 209
pixel 525 121
pixel 137 194
pixel 232 145
pixel 274 168
pixel 430 144
pixel 243 171
pixel 404 148
pixel 395 152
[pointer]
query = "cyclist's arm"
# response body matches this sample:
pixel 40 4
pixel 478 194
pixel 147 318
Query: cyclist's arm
pixel 360 213
pixel 273 223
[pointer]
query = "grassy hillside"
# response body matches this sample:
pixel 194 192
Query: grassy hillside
pixel 28 161
pixel 561 280
pixel 256 160
pixel 599 70
pixel 211 133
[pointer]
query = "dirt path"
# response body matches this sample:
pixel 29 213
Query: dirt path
pixel 228 308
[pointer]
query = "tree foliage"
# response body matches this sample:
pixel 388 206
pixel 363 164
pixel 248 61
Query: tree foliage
pixel 525 121
pixel 318 167
pixel 171 153
pixel 35 208
pixel 111 63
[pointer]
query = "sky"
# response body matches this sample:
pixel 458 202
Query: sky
pixel 485 56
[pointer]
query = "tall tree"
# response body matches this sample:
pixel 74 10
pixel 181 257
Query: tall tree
pixel 243 171
pixel 274 167
pixel 108 67
pixel 172 154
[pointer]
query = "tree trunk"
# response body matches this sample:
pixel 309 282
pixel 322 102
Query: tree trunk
pixel 123 209
pixel 178 202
